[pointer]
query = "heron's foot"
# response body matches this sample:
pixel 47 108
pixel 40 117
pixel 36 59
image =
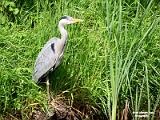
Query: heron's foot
pixel 50 98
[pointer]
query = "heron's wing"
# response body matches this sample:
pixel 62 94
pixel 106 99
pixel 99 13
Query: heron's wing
pixel 46 59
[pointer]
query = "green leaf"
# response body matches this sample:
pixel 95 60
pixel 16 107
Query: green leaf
pixel 16 11
pixel 3 19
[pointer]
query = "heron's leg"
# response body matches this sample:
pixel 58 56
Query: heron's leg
pixel 48 89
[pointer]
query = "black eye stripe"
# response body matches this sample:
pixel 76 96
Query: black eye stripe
pixel 64 17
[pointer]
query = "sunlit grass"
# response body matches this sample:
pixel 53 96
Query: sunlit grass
pixel 113 56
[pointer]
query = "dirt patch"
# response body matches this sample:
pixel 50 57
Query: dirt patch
pixel 58 109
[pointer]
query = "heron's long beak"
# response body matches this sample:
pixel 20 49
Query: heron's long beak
pixel 77 20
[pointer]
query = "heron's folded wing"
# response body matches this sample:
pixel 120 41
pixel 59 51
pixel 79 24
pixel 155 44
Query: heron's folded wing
pixel 45 61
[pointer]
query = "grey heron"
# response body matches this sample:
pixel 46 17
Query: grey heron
pixel 51 54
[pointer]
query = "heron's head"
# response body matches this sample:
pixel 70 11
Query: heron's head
pixel 69 20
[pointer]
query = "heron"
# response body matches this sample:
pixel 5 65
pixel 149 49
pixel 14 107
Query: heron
pixel 52 53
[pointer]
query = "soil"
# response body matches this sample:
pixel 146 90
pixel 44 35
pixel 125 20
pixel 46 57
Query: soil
pixel 59 110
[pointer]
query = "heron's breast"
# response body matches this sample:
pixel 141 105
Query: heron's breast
pixel 59 48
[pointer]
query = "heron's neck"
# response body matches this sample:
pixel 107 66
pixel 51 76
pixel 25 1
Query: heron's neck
pixel 64 34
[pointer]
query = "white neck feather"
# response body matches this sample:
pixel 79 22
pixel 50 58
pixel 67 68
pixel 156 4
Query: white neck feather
pixel 64 34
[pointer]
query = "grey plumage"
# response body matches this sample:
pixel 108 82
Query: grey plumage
pixel 47 59
pixel 52 52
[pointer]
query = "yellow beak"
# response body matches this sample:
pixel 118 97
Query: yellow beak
pixel 77 20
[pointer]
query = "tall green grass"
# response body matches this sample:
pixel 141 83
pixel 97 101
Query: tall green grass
pixel 113 56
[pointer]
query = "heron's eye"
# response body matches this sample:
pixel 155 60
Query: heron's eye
pixel 69 18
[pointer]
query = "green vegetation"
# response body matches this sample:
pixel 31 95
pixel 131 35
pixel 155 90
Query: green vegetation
pixel 111 58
